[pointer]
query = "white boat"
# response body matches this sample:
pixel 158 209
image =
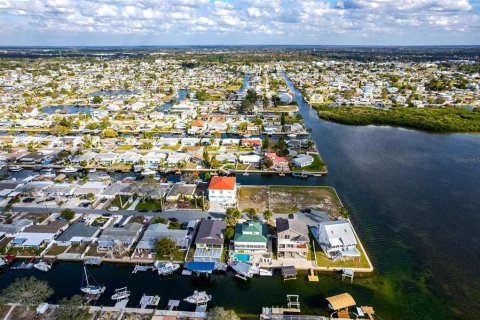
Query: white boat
pixel 148 172
pixel 164 269
pixel 265 272
pixel 42 266
pixel 198 297
pixel 3 262
pixel 68 170
pixel 292 135
pixel 91 289
pixel 47 170
pixel 15 168
pixel 93 170
pixel 121 294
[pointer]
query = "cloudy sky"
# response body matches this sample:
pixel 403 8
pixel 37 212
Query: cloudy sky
pixel 230 22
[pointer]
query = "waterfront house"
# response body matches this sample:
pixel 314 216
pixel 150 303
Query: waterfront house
pixel 209 240
pixel 159 231
pixel 222 190
pixel 292 239
pixel 77 233
pixel 181 190
pixel 302 160
pixel 35 236
pixel 279 163
pixel 126 235
pixel 250 159
pixel 250 237
pixel 337 239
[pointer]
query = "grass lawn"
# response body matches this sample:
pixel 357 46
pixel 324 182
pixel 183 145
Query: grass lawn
pixel 323 261
pixel 253 197
pixel 178 256
pixel 38 217
pixel 149 204
pixel 116 202
pixel 56 250
pixel 25 252
pixel 77 248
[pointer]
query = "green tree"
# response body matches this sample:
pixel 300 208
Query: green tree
pixel 67 214
pixel 109 133
pixel 282 119
pixel 60 130
pixel 72 309
pixel 267 214
pixel 97 99
pixel 26 291
pixel 265 143
pixel 229 232
pixel 165 247
pixel 251 213
pixel 219 313
pixel 233 213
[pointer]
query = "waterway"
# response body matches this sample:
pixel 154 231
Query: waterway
pixel 67 109
pixel 413 198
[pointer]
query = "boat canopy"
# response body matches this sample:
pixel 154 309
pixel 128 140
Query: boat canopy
pixel 200 266
pixel 341 301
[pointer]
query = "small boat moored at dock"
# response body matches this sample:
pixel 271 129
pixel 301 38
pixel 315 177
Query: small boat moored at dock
pixel 121 294
pixel 167 268
pixel 90 289
pixel 15 168
pixel 198 297
pixel 68 170
pixel 42 266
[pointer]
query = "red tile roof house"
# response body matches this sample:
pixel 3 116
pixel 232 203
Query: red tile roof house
pixel 254 142
pixel 223 190
pixel 278 162
pixel 197 126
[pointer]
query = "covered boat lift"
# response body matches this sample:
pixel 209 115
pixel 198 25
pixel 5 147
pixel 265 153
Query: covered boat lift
pixel 340 304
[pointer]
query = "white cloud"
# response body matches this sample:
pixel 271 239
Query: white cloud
pixel 292 19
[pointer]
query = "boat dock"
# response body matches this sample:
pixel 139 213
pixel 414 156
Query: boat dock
pixel 149 301
pixel 274 313
pixel 93 262
pixel 289 273
pixel 143 268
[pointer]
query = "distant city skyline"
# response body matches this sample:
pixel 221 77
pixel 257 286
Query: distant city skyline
pixel 239 22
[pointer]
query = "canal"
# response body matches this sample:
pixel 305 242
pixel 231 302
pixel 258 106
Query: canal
pixel 413 198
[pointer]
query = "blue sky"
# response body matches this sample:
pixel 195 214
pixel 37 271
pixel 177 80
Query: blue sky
pixel 231 22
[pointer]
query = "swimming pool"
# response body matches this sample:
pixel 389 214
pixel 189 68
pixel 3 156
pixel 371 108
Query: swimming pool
pixel 242 257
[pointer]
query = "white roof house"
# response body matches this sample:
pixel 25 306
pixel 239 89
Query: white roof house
pixel 337 239
pixel 250 158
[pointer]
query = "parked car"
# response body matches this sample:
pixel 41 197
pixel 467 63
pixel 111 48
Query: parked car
pixel 143 210
pixel 103 200
pixel 113 209
pixel 28 200
pixel 173 219
pixel 107 214
pixel 157 210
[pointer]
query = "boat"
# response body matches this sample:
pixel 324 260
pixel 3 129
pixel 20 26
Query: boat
pixel 121 294
pixel 15 168
pixel 93 170
pixel 148 172
pixel 292 135
pixel 24 265
pixel 198 297
pixel 37 168
pixel 265 272
pixel 246 173
pixel 91 289
pixel 47 170
pixel 164 269
pixel 68 170
pixel 42 266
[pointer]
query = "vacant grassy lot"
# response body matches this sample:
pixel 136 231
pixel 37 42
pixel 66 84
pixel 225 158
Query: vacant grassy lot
pixel 253 197
pixel 289 199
